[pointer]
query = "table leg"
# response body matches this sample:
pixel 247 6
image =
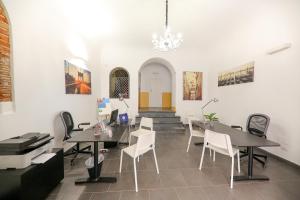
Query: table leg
pixel 96 155
pixel 98 178
pixel 123 135
pixel 250 170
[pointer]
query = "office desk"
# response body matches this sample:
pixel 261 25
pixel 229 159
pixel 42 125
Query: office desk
pixel 241 139
pixel 126 133
pixel 88 136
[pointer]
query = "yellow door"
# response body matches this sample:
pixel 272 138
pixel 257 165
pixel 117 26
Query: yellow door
pixel 144 100
pixel 166 99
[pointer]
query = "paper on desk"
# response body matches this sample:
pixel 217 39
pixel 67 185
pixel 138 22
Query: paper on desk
pixel 42 158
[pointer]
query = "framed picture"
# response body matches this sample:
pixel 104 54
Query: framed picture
pixel 239 75
pixel 192 85
pixel 77 80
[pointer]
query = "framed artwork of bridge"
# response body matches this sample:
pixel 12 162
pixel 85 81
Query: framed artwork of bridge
pixel 77 79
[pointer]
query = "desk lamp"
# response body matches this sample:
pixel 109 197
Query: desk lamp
pixel 121 98
pixel 210 101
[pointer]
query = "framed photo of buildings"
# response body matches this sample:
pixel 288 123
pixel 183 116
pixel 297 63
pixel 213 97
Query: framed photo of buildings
pixel 239 75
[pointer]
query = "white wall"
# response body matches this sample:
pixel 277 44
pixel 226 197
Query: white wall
pixel 41 40
pixel 163 82
pixel 163 74
pixel 275 90
pixel 132 58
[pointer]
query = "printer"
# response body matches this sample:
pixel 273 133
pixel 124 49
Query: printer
pixel 18 152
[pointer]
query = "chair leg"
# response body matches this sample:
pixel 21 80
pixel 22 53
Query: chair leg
pixel 239 163
pixel 154 154
pixel 259 160
pixel 243 155
pixel 129 140
pixel 187 149
pixel 201 161
pixel 214 156
pixel 231 177
pixel 135 178
pixel 85 152
pixel 261 156
pixel 70 153
pixel 72 160
pixel 85 148
pixel 121 161
pixel 209 152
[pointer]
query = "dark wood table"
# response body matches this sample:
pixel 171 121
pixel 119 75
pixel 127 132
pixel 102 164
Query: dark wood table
pixel 126 132
pixel 88 136
pixel 241 139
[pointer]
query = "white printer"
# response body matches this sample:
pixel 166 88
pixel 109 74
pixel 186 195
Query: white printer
pixel 18 152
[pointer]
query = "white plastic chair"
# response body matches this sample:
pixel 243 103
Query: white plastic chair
pixel 220 143
pixel 145 143
pixel 145 124
pixel 193 133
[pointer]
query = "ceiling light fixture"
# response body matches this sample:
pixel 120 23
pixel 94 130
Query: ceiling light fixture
pixel 168 41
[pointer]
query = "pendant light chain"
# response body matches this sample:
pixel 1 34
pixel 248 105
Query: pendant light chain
pixel 167 41
pixel 166 13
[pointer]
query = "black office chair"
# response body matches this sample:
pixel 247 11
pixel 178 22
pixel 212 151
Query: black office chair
pixel 257 124
pixel 69 129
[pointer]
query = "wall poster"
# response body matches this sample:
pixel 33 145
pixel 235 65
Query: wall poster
pixel 239 75
pixel 192 85
pixel 77 80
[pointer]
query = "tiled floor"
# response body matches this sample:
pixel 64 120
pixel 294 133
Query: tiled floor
pixel 179 177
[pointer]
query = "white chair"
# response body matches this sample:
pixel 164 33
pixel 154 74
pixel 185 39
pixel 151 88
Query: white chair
pixel 193 133
pixel 145 143
pixel 220 143
pixel 145 124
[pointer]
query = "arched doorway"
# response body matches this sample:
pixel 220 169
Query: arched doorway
pixel 157 85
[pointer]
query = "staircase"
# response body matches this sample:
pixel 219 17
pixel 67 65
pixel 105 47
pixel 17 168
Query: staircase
pixel 164 121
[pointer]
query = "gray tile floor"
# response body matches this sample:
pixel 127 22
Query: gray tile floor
pixel 179 177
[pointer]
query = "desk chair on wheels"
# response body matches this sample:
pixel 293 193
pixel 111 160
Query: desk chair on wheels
pixel 257 124
pixel 69 129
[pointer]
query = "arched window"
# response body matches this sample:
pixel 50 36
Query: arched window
pixel 5 65
pixel 118 83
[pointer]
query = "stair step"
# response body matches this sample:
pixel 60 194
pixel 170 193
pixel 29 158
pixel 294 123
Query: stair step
pixel 164 121
pixel 157 114
pixel 171 130
pixel 167 124
pixel 161 126
pixel 161 120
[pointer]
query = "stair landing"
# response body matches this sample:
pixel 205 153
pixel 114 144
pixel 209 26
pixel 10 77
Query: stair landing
pixel 164 119
pixel 155 109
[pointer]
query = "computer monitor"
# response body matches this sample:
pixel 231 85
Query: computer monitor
pixel 113 117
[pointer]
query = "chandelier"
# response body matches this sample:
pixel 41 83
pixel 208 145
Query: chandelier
pixel 168 41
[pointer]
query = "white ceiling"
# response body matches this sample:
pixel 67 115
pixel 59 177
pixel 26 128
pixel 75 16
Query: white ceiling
pixel 134 21
pixel 201 22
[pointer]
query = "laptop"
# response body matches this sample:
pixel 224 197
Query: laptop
pixel 113 117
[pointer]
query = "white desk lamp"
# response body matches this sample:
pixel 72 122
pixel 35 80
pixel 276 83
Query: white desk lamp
pixel 210 101
pixel 121 98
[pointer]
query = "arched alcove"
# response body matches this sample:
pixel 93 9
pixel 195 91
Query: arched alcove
pixel 119 83
pixel 157 85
